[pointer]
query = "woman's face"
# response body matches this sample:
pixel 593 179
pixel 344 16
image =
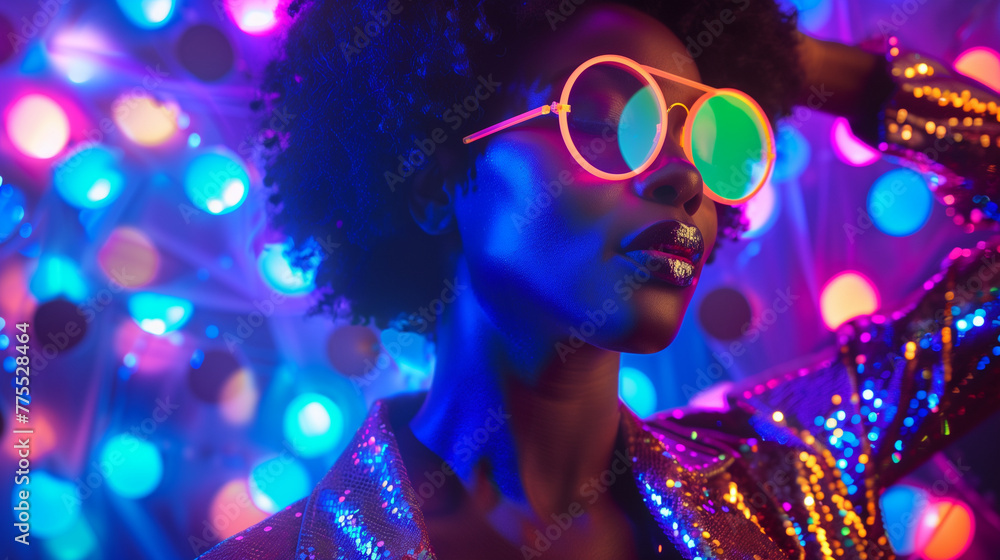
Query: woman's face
pixel 556 252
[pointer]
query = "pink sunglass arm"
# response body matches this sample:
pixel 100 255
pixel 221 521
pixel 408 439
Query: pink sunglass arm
pixel 543 110
pixel 678 79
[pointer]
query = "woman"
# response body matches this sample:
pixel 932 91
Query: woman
pixel 532 272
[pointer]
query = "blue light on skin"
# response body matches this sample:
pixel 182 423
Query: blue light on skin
pixel 313 424
pixel 158 313
pixel 278 482
pixel 216 181
pixel 57 276
pixel 899 202
pixel 148 14
pixel 89 178
pixel 54 503
pixel 637 391
pixel 137 466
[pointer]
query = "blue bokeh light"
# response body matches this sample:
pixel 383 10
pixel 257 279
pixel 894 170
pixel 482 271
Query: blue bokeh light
pixel 158 313
pixel 12 210
pixel 793 153
pixel 313 424
pixel 57 276
pixel 148 14
pixel 637 391
pixel 901 506
pixel 89 178
pixel 278 482
pixel 135 466
pixel 899 202
pixel 277 270
pixel 217 181
pixel 54 504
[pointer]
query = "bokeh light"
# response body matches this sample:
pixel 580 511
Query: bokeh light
pixel 846 296
pixel 761 211
pixel 946 530
pixel 89 178
pixel 313 424
pixel 75 543
pixel 277 270
pixel 255 17
pixel 724 312
pixel 78 52
pixel 205 52
pixel 136 466
pixel 848 148
pixel 148 14
pixel 792 153
pixel 232 510
pixel 353 349
pixel 899 202
pixel 129 257
pixel 210 371
pixel 635 388
pixel 54 502
pixel 37 126
pixel 149 353
pixel 144 120
pixel 57 276
pixel 238 398
pixel 13 207
pixel 278 482
pixel 158 313
pixel 982 64
pixel 217 181
pixel 60 323
pixel 902 507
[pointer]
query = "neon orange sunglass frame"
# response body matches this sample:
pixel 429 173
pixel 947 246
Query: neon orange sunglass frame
pixel 562 109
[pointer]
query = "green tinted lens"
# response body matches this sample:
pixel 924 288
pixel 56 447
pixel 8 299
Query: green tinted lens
pixel 639 128
pixel 730 146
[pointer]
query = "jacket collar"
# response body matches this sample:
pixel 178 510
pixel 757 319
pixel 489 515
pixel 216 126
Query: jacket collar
pixel 366 506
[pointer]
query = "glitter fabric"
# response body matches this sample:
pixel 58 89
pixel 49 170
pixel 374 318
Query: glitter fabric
pixel 792 469
pixel 938 120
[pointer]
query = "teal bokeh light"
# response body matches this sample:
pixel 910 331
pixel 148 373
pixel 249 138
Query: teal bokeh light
pixel 313 424
pixel 148 14
pixel 635 388
pixel 278 482
pixel 134 465
pixel 57 276
pixel 54 504
pixel 217 181
pixel 277 270
pixel 158 313
pixel 89 178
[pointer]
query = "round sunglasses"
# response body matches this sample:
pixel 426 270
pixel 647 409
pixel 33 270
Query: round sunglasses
pixel 613 119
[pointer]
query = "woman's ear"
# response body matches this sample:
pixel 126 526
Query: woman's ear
pixel 432 199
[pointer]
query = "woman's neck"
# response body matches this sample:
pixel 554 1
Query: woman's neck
pixel 520 424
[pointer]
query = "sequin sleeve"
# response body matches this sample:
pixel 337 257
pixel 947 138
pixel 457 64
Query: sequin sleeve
pixel 927 115
pixel 899 387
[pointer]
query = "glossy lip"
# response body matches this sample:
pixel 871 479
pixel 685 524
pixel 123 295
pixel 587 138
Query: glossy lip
pixel 668 236
pixel 667 250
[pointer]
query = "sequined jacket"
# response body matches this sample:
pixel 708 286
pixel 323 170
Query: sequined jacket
pixel 795 466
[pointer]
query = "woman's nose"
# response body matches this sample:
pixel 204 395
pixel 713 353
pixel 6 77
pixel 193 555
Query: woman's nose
pixel 673 181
